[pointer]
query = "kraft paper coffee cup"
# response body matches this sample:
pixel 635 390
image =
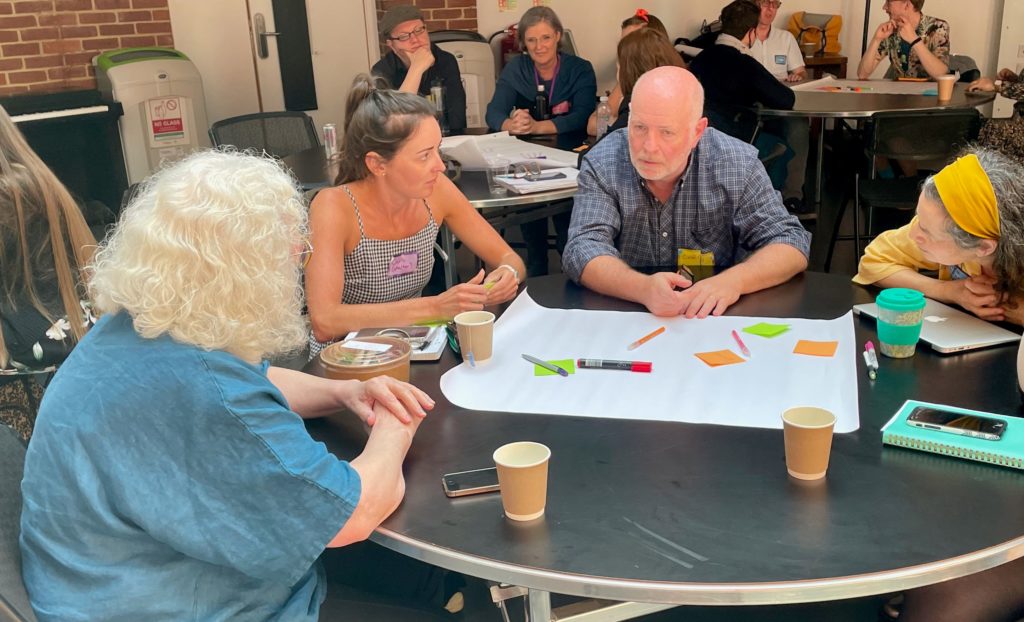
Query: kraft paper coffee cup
pixel 946 87
pixel 808 437
pixel 900 315
pixel 523 477
pixel 476 334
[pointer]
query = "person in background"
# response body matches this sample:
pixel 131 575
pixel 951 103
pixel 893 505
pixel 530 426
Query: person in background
pixel 1006 135
pixel 375 229
pixel 917 45
pixel 170 475
pixel 670 187
pixel 749 83
pixel 969 227
pixel 778 52
pixel 44 244
pixel 570 86
pixel 638 53
pixel 415 65
pixel 638 21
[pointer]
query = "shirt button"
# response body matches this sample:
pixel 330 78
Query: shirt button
pixel 664 234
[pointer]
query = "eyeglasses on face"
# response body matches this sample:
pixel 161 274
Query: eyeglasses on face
pixel 535 41
pixel 306 253
pixel 772 3
pixel 405 36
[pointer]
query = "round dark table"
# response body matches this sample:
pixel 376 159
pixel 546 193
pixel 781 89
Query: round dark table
pixel 683 513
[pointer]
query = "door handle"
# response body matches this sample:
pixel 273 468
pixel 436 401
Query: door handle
pixel 260 24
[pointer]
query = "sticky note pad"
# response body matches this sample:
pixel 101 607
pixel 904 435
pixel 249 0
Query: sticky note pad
pixel 816 348
pixel 764 329
pixel 568 365
pixel 721 357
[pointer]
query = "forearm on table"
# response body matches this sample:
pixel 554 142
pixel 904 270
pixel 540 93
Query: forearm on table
pixel 769 266
pixel 869 61
pixel 929 286
pixel 931 63
pixel 613 277
pixel 338 320
pixel 309 396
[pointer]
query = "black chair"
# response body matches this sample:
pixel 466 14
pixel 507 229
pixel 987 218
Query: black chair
pixel 929 136
pixel 14 604
pixel 279 134
pixel 741 123
pixel 443 36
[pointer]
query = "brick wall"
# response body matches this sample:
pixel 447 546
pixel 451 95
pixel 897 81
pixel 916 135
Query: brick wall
pixel 48 45
pixel 439 14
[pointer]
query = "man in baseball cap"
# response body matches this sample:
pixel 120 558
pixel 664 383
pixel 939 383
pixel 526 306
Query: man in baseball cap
pixel 414 64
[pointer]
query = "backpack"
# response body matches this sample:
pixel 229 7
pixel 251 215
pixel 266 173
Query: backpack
pixel 817 28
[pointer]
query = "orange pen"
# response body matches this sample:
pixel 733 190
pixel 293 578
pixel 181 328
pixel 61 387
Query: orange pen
pixel 641 341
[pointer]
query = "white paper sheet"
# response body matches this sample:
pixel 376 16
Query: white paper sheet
pixel 474 151
pixel 681 386
pixel 886 87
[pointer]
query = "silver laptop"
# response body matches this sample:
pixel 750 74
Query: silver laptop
pixel 950 330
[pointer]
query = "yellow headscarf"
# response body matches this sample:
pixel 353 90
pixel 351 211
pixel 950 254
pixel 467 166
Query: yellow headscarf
pixel 969 198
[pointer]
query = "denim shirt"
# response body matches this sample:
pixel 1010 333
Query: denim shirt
pixel 165 482
pixel 723 203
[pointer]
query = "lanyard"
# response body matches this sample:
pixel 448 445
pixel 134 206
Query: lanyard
pixel 536 77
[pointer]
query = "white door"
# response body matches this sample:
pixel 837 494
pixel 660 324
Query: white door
pixel 220 38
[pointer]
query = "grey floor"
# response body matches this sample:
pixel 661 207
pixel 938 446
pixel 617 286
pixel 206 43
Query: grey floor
pixel 478 604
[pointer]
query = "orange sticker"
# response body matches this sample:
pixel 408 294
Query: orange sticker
pixel 721 357
pixel 816 348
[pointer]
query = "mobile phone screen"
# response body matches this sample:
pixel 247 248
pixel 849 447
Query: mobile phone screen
pixel 470 482
pixel 972 425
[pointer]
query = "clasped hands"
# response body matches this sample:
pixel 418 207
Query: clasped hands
pixel 978 295
pixel 478 292
pixel 907 32
pixel 404 403
pixel 520 122
pixel 669 294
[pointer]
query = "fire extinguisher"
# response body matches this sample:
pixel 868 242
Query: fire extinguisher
pixel 508 45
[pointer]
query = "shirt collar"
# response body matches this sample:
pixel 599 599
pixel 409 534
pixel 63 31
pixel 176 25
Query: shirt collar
pixel 733 42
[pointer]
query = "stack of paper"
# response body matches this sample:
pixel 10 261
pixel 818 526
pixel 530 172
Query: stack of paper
pixel 550 179
pixel 473 152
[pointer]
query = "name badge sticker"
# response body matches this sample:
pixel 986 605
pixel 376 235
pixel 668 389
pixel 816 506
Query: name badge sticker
pixel 403 264
pixel 561 108
pixel 780 59
pixel 694 257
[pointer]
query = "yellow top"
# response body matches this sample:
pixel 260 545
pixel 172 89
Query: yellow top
pixel 893 251
pixel 969 198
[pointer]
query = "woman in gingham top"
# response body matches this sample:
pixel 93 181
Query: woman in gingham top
pixel 373 233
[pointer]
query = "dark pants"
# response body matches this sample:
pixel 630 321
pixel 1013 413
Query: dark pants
pixel 535 236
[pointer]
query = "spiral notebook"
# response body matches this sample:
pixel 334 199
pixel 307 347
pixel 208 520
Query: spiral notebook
pixel 1007 451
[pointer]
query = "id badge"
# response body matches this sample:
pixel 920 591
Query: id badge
pixel 403 264
pixel 694 257
pixel 561 108
pixel 780 59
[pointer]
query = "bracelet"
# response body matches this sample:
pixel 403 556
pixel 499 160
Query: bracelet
pixel 514 272
pixel 915 42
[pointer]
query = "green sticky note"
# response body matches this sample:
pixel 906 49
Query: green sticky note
pixel 764 329
pixel 568 365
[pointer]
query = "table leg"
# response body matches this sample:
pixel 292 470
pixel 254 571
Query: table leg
pixel 539 606
pixel 818 166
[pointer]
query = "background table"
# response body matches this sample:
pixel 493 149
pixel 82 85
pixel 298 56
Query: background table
pixel 628 499
pixel 819 65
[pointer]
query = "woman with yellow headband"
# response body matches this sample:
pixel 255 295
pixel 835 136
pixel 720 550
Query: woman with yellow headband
pixel 966 214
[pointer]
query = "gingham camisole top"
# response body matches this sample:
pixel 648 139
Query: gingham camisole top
pixel 374 271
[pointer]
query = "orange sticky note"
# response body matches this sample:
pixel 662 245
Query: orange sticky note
pixel 816 348
pixel 721 357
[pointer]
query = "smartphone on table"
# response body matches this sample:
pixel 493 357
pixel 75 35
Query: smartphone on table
pixel 470 482
pixel 974 426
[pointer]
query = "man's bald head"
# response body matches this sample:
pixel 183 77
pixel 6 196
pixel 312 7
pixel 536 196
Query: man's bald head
pixel 670 88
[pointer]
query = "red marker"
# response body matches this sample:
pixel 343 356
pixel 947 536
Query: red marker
pixel 638 366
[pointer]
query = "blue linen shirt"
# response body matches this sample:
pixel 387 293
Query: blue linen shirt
pixel 723 203
pixel 165 482
pixel 517 87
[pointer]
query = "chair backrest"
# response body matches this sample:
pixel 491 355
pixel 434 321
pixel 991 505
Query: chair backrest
pixel 923 135
pixel 736 121
pixel 476 66
pixel 14 604
pixel 966 66
pixel 278 133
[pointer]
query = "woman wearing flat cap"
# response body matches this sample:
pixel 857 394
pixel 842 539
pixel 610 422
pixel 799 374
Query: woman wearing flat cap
pixel 969 228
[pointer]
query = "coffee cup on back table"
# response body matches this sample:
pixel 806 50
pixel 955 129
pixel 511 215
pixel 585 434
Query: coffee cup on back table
pixel 945 87
pixel 900 313
pixel 476 334
pixel 807 432
pixel 523 477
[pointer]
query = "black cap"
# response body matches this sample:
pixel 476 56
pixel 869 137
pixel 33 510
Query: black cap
pixel 396 16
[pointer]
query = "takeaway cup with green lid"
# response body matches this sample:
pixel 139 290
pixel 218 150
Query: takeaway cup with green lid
pixel 900 312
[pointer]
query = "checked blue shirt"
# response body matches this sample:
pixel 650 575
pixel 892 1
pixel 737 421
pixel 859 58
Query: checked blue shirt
pixel 724 204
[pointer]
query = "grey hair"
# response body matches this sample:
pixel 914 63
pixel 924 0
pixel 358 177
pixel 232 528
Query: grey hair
pixel 1007 178
pixel 377 120
pixel 535 16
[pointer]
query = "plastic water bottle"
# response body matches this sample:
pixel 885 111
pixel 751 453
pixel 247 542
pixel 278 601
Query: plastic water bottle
pixel 604 117
pixel 541 104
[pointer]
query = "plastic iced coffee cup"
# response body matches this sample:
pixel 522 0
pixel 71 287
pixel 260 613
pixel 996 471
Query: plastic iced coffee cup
pixel 946 87
pixel 523 477
pixel 900 313
pixel 476 334
pixel 808 437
